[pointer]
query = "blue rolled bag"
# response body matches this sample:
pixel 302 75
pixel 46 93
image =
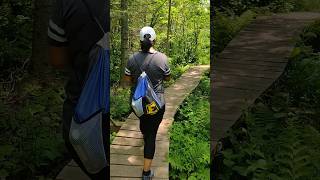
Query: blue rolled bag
pixel 86 131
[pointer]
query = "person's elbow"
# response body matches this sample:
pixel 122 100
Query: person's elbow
pixel 127 81
pixel 58 57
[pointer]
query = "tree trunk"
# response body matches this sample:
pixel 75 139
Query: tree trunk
pixel 41 14
pixel 124 37
pixel 169 27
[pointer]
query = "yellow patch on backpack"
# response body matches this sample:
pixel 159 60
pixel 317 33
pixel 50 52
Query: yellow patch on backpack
pixel 152 108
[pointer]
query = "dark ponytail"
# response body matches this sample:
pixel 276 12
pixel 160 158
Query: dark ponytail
pixel 146 44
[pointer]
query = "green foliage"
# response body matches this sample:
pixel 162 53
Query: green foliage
pixel 189 38
pixel 226 27
pixel 189 154
pixel 120 100
pixel 237 7
pixel 311 36
pixel 112 136
pixel 30 134
pixel 274 148
pixel 240 6
pixel 15 35
pixel 307 5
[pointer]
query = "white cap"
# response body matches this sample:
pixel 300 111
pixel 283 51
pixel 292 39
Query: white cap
pixel 147 30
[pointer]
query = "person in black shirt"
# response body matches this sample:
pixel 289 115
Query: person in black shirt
pixel 72 33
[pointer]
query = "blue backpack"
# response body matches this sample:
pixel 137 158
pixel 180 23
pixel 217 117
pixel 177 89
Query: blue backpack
pixel 86 131
pixel 144 100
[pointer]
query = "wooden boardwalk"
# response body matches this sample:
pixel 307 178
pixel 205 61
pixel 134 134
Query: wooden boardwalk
pixel 126 152
pixel 250 64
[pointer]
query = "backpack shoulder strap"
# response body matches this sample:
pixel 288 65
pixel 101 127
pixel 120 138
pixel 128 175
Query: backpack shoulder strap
pixel 140 67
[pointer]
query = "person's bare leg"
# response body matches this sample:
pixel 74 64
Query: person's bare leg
pixel 147 164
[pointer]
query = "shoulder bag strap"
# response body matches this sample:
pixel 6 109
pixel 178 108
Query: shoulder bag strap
pixel 140 67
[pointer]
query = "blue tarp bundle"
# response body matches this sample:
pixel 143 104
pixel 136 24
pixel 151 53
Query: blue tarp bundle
pixel 86 131
pixel 95 94
pixel 141 88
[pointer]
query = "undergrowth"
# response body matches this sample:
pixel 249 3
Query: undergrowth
pixel 31 144
pixel 227 25
pixel 189 154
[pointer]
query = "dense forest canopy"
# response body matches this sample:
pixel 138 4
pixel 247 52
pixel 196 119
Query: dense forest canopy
pixel 183 35
pixel 184 38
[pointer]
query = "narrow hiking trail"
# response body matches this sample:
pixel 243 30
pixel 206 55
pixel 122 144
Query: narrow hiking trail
pixel 250 64
pixel 126 151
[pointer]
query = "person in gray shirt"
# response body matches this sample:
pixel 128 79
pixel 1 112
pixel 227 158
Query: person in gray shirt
pixel 155 64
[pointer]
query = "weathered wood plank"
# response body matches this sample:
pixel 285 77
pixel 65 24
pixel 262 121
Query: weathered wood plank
pixel 124 171
pixel 128 159
pixel 138 151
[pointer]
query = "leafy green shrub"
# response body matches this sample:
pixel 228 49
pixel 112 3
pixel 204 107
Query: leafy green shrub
pixel 189 136
pixel 311 36
pixel 226 27
pixel 274 147
pixel 282 6
pixel 307 5
pixel 30 138
pixel 119 103
pixel 15 35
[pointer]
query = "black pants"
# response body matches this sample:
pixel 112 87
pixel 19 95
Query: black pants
pixel 149 125
pixel 68 110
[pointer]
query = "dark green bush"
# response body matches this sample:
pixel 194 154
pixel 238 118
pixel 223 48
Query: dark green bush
pixel 226 27
pixel 15 35
pixel 120 103
pixel 30 139
pixel 190 136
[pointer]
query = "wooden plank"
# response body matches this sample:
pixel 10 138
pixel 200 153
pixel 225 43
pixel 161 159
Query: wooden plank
pixel 126 159
pixel 137 135
pixel 249 83
pixel 254 61
pixel 263 62
pixel 234 115
pixel 219 93
pixel 247 73
pixel 123 171
pixel 273 52
pixel 237 66
pixel 127 141
pixel 121 149
pixel 138 151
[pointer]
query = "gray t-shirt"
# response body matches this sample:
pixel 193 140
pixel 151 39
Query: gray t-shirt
pixel 154 64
